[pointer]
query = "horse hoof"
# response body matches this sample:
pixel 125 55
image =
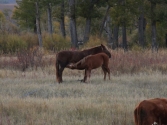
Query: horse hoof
pixel 83 81
pixel 60 82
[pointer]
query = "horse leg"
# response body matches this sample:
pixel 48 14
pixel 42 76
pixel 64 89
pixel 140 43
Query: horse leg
pixel 89 73
pixel 104 70
pixel 108 71
pixel 59 70
pixel 86 75
pixel 60 74
pixel 82 80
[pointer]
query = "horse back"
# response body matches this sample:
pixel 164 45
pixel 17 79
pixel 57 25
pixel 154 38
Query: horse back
pixel 69 56
pixel 97 60
pixel 100 56
pixel 105 58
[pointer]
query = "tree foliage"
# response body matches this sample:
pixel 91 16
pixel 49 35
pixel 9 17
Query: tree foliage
pixel 121 12
pixel 24 13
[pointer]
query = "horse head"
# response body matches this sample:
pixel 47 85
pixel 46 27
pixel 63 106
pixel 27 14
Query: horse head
pixel 105 50
pixel 71 65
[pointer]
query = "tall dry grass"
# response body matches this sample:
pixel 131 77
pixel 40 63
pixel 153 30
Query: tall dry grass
pixel 138 61
pixel 121 62
pixel 33 97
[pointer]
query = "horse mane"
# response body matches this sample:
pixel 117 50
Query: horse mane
pixel 91 48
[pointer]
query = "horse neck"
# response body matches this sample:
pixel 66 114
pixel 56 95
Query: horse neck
pixel 94 50
pixel 81 61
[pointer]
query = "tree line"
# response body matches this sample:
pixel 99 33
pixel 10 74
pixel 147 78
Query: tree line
pixel 146 19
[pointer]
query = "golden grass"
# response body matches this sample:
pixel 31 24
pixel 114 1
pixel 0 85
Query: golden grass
pixel 34 98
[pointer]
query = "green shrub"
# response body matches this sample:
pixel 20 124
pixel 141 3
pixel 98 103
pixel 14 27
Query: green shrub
pixel 11 44
pixel 48 43
pixel 94 41
pixel 3 44
pixel 136 47
pixel 61 43
pixel 15 44
pixel 55 42
pixel 31 39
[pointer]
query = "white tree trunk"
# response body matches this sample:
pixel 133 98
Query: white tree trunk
pixel 104 20
pixel 73 30
pixel 38 25
pixel 87 30
pixel 62 25
pixel 49 19
pixel 153 28
pixel 124 37
pixel 141 27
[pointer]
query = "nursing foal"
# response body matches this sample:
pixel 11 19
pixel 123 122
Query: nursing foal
pixel 92 62
pixel 64 58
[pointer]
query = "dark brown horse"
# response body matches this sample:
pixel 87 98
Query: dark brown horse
pixel 92 62
pixel 64 58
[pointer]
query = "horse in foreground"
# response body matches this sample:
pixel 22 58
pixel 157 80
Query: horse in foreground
pixel 92 62
pixel 151 112
pixel 64 58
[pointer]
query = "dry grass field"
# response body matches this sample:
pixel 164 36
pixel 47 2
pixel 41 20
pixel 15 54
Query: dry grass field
pixel 34 98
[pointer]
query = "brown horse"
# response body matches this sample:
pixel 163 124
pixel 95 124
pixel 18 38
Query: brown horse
pixel 92 62
pixel 64 58
pixel 151 112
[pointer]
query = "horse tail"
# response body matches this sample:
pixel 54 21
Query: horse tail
pixel 138 114
pixel 141 113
